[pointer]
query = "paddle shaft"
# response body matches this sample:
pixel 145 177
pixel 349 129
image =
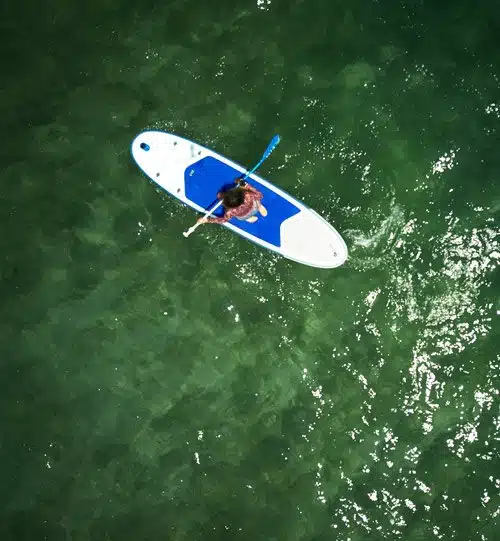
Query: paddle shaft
pixel 207 214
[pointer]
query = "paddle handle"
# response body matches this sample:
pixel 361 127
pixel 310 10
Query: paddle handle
pixel 207 214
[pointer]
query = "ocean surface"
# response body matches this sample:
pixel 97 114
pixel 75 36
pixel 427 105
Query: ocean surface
pixel 157 388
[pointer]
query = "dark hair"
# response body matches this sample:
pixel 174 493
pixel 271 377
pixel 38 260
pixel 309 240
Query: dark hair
pixel 233 198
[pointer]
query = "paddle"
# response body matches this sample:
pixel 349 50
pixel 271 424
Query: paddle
pixel 272 145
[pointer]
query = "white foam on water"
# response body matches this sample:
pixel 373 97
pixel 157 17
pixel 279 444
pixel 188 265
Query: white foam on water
pixel 383 233
pixel 420 485
pixel 318 483
pixel 230 308
pixel 454 319
pixel 466 434
pixel 142 229
pixel 485 498
pixel 445 162
pixel 493 109
pixel 413 455
pixel 263 4
pixel 220 67
pixel 410 505
pixel 418 75
pixel 371 298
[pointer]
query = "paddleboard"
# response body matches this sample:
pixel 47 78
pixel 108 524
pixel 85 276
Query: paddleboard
pixel 195 174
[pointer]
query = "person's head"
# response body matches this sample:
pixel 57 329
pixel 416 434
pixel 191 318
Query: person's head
pixel 233 198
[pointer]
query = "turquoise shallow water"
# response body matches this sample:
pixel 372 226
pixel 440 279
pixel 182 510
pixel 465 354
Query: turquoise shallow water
pixel 157 388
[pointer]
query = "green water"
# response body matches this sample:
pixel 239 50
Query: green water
pixel 161 388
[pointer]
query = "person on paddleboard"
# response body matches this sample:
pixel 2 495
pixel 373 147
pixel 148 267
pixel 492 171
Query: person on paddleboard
pixel 242 202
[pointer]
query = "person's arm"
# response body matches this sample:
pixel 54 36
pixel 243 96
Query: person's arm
pixel 248 187
pixel 256 193
pixel 216 219
pixel 228 214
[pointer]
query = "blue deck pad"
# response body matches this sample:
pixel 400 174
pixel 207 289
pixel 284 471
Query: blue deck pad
pixel 205 178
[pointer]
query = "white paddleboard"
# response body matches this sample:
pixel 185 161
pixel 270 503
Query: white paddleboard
pixel 194 175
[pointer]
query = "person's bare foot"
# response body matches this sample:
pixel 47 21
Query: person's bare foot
pixel 262 210
pixel 252 219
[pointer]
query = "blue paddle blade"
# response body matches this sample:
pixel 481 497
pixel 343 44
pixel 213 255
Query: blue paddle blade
pixel 272 145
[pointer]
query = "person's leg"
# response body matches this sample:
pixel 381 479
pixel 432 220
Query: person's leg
pixel 252 216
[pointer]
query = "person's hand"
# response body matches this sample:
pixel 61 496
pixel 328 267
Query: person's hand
pixel 240 182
